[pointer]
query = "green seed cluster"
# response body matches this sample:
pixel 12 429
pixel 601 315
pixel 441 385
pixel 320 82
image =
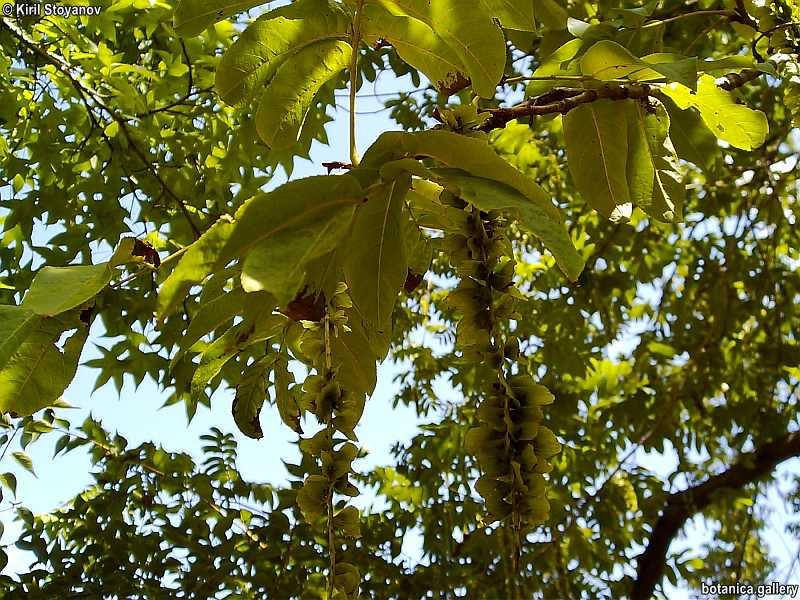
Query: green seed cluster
pixel 511 445
pixel 339 410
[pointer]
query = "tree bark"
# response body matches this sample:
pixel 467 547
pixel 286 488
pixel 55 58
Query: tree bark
pixel 681 506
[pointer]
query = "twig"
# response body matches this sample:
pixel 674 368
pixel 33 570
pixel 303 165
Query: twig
pixel 356 41
pixel 731 14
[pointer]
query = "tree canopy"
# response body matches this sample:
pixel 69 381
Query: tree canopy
pixel 584 223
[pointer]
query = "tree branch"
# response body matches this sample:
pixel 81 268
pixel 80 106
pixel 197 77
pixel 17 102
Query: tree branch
pixel 563 100
pixel 681 506
pixel 87 92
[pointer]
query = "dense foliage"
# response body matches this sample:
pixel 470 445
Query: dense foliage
pixel 568 178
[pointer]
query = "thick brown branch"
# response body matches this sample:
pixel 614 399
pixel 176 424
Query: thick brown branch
pixel 735 80
pixel 563 100
pixel 682 506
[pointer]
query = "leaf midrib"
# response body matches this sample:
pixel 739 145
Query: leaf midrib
pixel 603 157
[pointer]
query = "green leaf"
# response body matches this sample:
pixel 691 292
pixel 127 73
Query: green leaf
pixel 273 39
pixel 210 316
pixel 9 480
pixel 546 444
pixel 193 16
pixel 56 290
pixel 791 98
pixel 487 195
pixel 16 323
pixel 36 374
pixel 347 578
pixel 250 396
pixel 736 62
pixel 609 60
pixel 513 14
pixel 642 11
pixel 24 461
pixel 215 357
pixel 654 179
pixel 348 522
pixel 472 34
pixel 376 265
pixel 17 183
pixel 550 13
pixel 477 158
pixel 257 327
pixel 195 265
pixel 692 140
pixel 284 399
pixel 354 359
pixel 313 496
pixel 290 94
pixel 740 126
pixel 280 232
pixel 418 45
pixel 597 150
pixel 559 63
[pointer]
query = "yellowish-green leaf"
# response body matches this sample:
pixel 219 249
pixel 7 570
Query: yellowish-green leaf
pixel 195 265
pixel 488 194
pixel 418 45
pixel 274 38
pixel 193 16
pixel 290 94
pixel 477 158
pixel 513 14
pixel 250 396
pixel 691 138
pixel 550 13
pixel 354 359
pixel 58 289
pixel 472 34
pixel 376 265
pixel 609 60
pixel 280 232
pixel 740 126
pixel 37 373
pixel 560 63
